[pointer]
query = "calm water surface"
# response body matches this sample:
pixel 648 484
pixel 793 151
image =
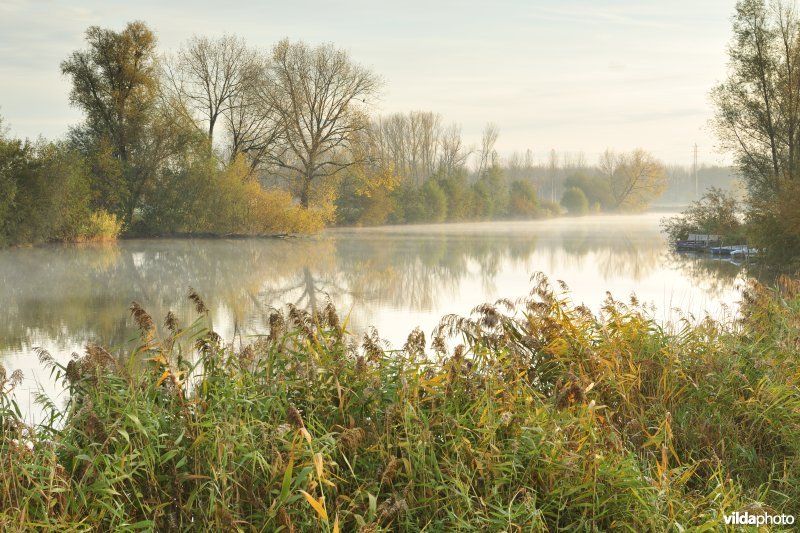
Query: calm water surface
pixel 393 278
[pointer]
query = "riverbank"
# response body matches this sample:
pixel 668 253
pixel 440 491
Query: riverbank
pixel 548 418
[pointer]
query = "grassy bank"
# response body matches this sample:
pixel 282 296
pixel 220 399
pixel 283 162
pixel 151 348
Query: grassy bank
pixel 546 418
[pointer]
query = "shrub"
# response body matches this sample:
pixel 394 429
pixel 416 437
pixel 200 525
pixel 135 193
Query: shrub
pixel 101 226
pixel 716 213
pixel 575 202
pixel 523 202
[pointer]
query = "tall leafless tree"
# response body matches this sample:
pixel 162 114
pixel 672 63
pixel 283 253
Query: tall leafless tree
pixel 410 143
pixel 487 156
pixel 211 76
pixel 319 97
pixel 452 152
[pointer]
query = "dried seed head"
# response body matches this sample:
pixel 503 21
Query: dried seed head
pixel 44 356
pixel 415 344
pixel 390 471
pixel 171 322
pixel 372 345
pixel 199 304
pixel 73 372
pixel 277 325
pixel 16 377
pixel 332 317
pixel 438 344
pixel 294 417
pixel 361 365
pixel 247 355
pixel 143 320
pixel 349 439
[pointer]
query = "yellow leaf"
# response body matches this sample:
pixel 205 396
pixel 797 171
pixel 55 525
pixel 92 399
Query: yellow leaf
pixel 162 378
pixel 304 432
pixel 336 524
pixel 318 506
pixel 318 464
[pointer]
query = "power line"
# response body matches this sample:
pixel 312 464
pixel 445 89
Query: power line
pixel 696 192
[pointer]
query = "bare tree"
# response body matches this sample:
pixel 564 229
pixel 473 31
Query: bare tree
pixel 487 155
pixel 410 142
pixel 452 153
pixel 252 123
pixel 553 172
pixel 319 97
pixel 211 76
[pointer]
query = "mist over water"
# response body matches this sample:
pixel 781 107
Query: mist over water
pixel 393 278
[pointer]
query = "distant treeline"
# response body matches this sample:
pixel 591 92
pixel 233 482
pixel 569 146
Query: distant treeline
pixel 221 138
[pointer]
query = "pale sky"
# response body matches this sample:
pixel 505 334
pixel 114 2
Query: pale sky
pixel 569 75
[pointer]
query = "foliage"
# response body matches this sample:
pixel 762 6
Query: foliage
pixel 633 179
pixel 717 213
pixel 434 202
pixel 575 202
pixel 202 141
pixel 547 418
pixel 101 226
pixel 49 193
pixel 550 209
pixel 594 188
pixel 203 199
pixel 317 96
pixel 460 197
pixel 757 121
pixel 13 157
pixel 491 193
pixel 114 81
pixel 523 202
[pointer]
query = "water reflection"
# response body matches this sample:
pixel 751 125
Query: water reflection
pixel 66 296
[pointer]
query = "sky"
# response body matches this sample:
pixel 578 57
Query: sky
pixel 569 75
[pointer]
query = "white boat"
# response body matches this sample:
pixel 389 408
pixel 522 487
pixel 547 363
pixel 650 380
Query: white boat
pixel 744 252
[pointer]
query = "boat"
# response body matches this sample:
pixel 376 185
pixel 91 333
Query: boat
pixel 728 250
pixel 744 252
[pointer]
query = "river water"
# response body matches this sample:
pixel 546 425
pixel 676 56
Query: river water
pixel 393 278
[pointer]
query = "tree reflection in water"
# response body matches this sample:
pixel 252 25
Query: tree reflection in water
pixel 71 295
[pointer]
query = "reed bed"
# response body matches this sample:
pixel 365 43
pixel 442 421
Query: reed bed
pixel 546 417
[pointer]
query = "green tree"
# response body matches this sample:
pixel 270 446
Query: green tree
pixel 594 187
pixel 47 188
pixel 13 155
pixel 459 195
pixel 491 193
pixel 758 120
pixel 523 202
pixel 633 179
pixel 574 201
pixel 115 82
pixel 434 202
pixel 716 213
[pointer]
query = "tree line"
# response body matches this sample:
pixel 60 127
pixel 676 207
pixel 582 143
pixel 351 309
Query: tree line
pixel 223 138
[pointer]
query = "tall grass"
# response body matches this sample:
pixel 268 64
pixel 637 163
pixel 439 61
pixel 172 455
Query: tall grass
pixel 546 418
